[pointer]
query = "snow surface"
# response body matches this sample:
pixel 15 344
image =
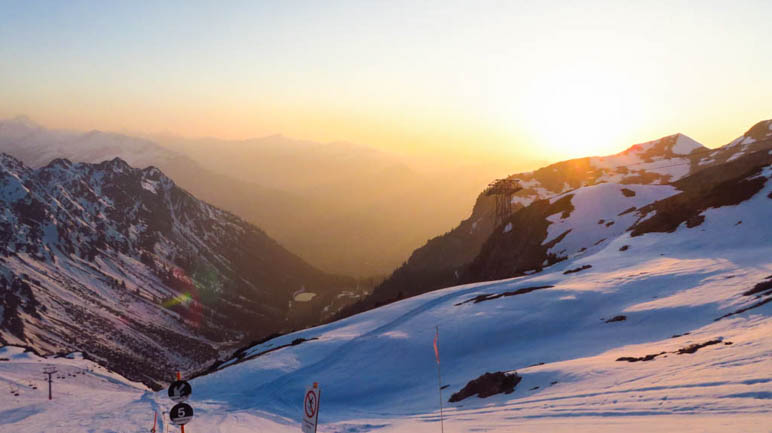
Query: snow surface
pixel 735 156
pixel 377 369
pixel 604 202
pixel 684 145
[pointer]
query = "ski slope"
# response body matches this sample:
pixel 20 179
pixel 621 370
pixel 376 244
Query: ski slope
pixel 377 370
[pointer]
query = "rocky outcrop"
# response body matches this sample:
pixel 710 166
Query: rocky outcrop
pixel 487 385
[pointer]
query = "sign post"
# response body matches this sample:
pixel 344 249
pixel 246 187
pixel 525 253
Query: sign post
pixel 311 408
pixel 49 371
pixel 181 413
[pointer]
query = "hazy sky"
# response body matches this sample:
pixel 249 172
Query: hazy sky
pixel 519 79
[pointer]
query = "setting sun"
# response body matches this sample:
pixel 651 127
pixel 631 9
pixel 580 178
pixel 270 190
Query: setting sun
pixel 526 82
pixel 385 216
pixel 580 110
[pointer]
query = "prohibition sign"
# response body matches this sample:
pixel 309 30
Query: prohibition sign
pixel 310 403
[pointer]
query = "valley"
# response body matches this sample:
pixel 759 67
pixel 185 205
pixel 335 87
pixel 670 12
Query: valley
pixel 619 302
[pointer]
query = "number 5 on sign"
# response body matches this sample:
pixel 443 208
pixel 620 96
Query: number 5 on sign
pixel 311 408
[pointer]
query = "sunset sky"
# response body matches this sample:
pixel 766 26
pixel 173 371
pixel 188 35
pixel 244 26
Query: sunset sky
pixel 507 79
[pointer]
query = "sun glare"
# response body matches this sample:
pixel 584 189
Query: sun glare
pixel 581 111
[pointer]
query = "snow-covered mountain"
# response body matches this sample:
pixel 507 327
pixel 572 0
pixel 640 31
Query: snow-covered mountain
pixel 650 329
pixel 121 263
pixel 36 146
pixel 651 313
pixel 665 327
pixel 658 165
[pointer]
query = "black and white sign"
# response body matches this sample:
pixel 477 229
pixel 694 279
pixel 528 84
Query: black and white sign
pixel 181 414
pixel 311 409
pixel 180 391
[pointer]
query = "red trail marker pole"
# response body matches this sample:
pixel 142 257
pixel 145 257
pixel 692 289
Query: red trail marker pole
pixel 439 373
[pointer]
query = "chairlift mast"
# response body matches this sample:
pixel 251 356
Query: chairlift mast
pixel 503 190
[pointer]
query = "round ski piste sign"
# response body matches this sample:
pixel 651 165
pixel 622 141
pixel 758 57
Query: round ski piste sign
pixel 181 414
pixel 180 391
pixel 310 403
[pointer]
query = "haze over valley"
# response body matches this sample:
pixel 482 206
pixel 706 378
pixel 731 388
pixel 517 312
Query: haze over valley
pixel 345 208
pixel 352 216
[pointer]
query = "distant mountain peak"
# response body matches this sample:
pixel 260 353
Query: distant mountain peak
pixel 669 145
pixel 59 163
pixel 9 161
pixel 117 165
pixel 23 119
pixel 685 145
pixel 760 131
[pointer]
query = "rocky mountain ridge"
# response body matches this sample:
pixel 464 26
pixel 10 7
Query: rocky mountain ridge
pixel 121 263
pixel 457 256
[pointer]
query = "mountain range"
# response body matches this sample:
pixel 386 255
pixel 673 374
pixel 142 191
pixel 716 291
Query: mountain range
pixel 631 292
pixel 345 208
pixel 633 289
pixel 122 264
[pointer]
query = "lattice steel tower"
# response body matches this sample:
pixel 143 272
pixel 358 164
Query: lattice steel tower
pixel 503 190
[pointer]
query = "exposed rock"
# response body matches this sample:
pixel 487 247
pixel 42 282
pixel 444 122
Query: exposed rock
pixel 488 297
pixel 760 287
pixel 579 269
pixel 742 310
pixel 487 385
pixel 649 357
pixel 241 355
pixel 697 346
pixel 523 249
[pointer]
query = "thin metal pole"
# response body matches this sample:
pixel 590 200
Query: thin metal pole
pixel 182 427
pixel 439 380
pixel 49 372
pixel 318 402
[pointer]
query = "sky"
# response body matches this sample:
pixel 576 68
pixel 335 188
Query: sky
pixel 505 80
